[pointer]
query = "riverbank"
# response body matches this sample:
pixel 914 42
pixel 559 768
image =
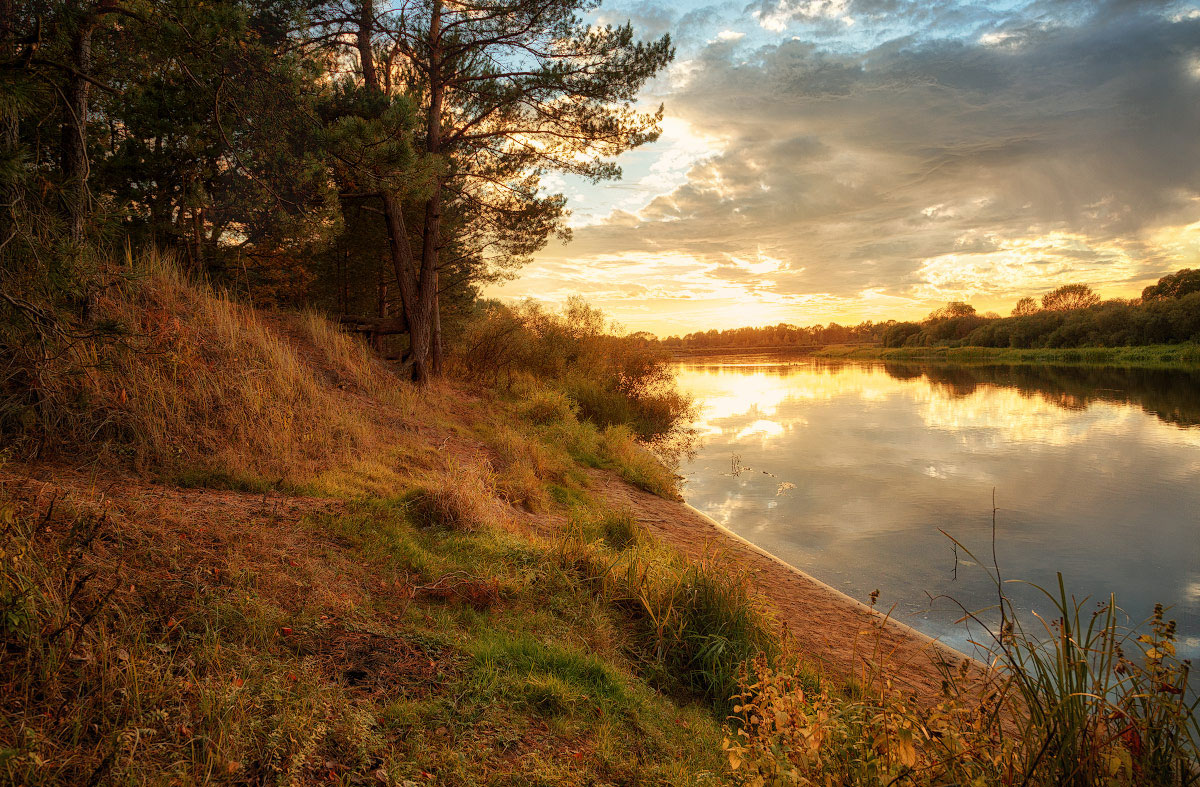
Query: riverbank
pixel 1159 356
pixel 304 569
pixel 843 637
pixel 288 565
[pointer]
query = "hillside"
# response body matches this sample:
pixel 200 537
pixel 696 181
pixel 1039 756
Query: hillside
pixel 305 571
pixel 237 549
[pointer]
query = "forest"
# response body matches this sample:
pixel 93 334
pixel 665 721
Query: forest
pixel 379 162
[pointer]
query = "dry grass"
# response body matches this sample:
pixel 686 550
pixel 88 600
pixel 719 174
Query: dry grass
pixel 208 392
pixel 204 382
pixel 461 499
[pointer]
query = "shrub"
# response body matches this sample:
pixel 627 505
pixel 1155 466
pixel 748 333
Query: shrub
pixel 610 379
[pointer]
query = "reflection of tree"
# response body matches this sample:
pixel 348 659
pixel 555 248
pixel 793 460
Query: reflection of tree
pixel 773 365
pixel 1173 396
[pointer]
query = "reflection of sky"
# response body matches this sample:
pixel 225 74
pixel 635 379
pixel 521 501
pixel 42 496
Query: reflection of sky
pixel 848 472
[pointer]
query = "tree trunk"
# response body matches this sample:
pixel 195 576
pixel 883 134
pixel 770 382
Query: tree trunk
pixel 9 128
pixel 437 360
pixel 431 236
pixel 73 142
pixel 416 311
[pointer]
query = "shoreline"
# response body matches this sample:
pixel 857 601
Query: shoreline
pixel 837 632
pixel 842 597
pixel 1179 357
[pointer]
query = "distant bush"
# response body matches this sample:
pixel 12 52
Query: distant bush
pixel 1115 323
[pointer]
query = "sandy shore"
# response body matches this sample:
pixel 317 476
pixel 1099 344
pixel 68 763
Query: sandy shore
pixel 844 636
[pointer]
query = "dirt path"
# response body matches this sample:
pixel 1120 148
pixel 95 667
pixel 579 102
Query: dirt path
pixel 844 636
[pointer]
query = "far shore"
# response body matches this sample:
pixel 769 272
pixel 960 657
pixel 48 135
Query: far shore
pixel 1154 356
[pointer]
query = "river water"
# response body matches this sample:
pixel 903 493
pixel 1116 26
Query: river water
pixel 851 471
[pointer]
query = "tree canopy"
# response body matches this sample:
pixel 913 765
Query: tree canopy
pixel 1174 285
pixel 378 158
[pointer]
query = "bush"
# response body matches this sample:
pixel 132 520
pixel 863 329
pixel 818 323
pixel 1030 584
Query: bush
pixel 608 379
pixel 1081 701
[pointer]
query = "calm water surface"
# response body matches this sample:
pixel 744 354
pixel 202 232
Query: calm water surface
pixel 850 470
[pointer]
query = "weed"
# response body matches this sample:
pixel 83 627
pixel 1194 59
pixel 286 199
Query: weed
pixel 697 623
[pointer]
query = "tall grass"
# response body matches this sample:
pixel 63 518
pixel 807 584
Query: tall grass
pixel 1078 699
pixel 697 623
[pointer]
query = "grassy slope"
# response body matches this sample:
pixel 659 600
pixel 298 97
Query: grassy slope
pixel 1162 356
pixel 369 587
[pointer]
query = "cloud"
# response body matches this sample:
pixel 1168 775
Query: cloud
pixel 879 170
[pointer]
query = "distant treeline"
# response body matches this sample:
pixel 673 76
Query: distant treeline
pixel 781 335
pixel 1173 396
pixel 1073 315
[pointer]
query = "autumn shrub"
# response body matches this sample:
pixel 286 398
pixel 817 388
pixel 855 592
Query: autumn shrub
pixel 555 440
pixel 611 379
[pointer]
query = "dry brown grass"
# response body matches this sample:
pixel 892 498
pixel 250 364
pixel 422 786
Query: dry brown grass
pixel 206 383
pixel 461 499
pixel 162 635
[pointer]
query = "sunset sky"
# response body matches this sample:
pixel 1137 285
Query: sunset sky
pixel 865 159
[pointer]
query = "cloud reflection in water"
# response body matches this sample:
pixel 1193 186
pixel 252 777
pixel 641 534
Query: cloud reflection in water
pixel 849 470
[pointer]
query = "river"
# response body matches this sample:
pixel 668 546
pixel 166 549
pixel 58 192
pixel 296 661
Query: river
pixel 852 470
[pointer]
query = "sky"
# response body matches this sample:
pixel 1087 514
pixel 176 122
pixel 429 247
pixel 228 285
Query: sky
pixel 844 160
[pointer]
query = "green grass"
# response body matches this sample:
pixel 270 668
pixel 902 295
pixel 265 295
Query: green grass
pixel 1159 356
pixel 541 446
pixel 694 624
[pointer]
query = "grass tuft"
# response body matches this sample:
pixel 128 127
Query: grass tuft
pixel 697 623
